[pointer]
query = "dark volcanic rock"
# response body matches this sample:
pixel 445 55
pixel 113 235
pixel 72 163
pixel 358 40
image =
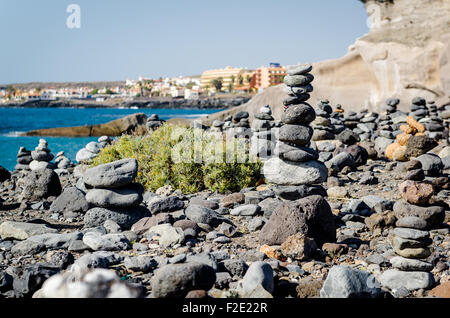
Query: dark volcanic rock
pixel 418 145
pixel 41 184
pixel 433 215
pixel 4 174
pixel 311 216
pixel 72 199
pixel 176 280
pixel 123 217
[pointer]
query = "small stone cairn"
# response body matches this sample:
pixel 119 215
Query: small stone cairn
pixel 295 163
pixel 410 242
pixel 398 150
pixel 153 123
pixel 41 156
pixel 92 149
pixel 23 159
pixel 433 123
pixel 418 109
pixel 110 189
pixel 62 162
pixel 367 125
pixel 323 128
pixel 262 141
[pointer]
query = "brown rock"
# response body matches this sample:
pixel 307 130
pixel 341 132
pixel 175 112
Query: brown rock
pixel 197 294
pixel 442 290
pixel 298 247
pixel 309 287
pixel 402 139
pixel 413 165
pixel 407 130
pixel 416 193
pixel 146 223
pixel 415 124
pixel 186 224
pixel 391 149
pixel 311 216
pixel 334 249
pixel 380 220
pixel 229 200
pixel 134 123
pixel 418 145
pixel 399 154
pixel 272 252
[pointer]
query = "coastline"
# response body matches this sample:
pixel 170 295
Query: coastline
pixel 154 102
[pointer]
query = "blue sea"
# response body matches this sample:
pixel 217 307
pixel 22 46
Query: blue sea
pixel 14 121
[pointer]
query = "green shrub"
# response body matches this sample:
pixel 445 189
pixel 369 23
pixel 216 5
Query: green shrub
pixel 186 158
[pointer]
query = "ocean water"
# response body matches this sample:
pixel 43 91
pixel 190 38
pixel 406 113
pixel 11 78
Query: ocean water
pixel 14 121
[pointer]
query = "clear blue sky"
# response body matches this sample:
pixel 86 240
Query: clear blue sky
pixel 120 39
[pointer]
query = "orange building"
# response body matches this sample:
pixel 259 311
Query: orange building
pixel 269 76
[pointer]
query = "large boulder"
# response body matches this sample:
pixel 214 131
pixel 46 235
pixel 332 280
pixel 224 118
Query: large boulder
pixel 4 174
pixel 123 217
pixel 41 184
pixel 310 216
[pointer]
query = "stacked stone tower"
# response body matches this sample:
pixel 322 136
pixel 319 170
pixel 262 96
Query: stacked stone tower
pixel 295 163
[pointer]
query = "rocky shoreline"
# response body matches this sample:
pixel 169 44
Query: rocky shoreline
pixel 337 213
pixel 171 103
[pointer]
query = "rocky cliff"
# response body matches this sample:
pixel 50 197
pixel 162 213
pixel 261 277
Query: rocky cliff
pixel 134 123
pixel 405 54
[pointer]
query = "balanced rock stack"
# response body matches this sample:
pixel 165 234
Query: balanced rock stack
pixel 367 126
pixel 23 159
pixel 411 239
pixel 41 156
pixel 153 123
pixel 323 129
pixel 263 140
pixel 295 163
pixel 405 146
pixel 112 191
pixel 418 108
pixel 228 122
pixel 241 124
pixel 390 106
pixel 92 149
pixel 433 123
pixel 62 162
pixel 217 126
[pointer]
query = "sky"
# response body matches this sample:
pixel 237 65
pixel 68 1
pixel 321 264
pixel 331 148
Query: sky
pixel 120 39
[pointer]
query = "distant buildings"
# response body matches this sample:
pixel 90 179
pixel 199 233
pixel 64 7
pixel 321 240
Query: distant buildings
pixel 228 76
pixel 269 76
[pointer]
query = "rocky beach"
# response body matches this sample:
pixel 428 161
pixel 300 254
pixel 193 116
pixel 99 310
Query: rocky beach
pixel 333 182
pixel 333 215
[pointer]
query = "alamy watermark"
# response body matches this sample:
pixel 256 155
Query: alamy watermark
pixel 74 19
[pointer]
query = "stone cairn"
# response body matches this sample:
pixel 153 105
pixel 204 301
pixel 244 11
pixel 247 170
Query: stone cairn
pixel 398 150
pixel 418 109
pixel 241 125
pixel 323 128
pixel 228 122
pixel 62 162
pixel 110 189
pixel 295 163
pixel 92 149
pixel 387 129
pixel 41 156
pixel 153 123
pixel 23 159
pixel 433 123
pixel 411 239
pixel 262 141
pixel 367 125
